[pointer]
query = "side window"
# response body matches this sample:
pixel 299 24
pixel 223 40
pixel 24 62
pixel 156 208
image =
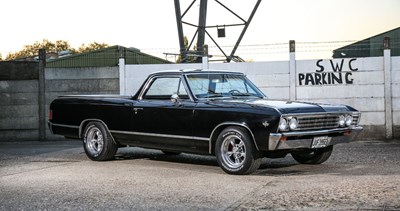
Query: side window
pixel 164 88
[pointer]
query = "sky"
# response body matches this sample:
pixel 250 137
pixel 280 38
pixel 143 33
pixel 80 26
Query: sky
pixel 150 25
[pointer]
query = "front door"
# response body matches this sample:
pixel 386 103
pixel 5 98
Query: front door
pixel 161 123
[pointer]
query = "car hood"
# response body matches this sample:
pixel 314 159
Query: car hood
pixel 286 107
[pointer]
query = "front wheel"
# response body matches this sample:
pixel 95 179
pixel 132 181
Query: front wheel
pixel 316 156
pixel 235 151
pixel 98 143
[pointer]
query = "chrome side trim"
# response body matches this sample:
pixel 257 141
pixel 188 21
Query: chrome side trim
pixel 230 123
pixel 159 135
pixel 63 125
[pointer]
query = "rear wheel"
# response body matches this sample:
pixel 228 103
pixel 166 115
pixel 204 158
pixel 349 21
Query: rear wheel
pixel 98 143
pixel 316 156
pixel 235 151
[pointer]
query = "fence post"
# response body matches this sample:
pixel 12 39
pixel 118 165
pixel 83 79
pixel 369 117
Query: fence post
pixel 122 76
pixel 42 95
pixel 292 70
pixel 388 88
pixel 205 57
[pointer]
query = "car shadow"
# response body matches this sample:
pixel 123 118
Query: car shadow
pixel 270 167
pixel 156 155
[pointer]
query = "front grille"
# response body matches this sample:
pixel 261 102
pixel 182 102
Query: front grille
pixel 318 122
pixel 322 121
pixel 356 118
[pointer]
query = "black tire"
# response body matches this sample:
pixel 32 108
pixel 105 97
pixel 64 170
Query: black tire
pixel 170 152
pixel 316 156
pixel 236 153
pixel 98 143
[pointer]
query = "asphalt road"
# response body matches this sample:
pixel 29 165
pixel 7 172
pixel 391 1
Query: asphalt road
pixel 362 175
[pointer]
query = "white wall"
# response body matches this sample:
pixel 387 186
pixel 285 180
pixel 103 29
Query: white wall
pixel 366 93
pixel 270 77
pixel 396 89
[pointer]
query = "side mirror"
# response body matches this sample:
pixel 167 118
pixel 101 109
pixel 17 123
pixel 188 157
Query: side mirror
pixel 175 98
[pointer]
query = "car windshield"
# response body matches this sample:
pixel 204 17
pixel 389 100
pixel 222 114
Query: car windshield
pixel 217 85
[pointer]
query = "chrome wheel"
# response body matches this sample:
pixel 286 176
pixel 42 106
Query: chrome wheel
pixel 94 141
pixel 98 143
pixel 233 151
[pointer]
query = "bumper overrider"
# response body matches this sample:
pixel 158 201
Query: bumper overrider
pixel 305 139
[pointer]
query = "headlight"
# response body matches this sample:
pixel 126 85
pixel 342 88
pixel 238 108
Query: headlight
pixel 349 120
pixel 293 123
pixel 283 124
pixel 341 121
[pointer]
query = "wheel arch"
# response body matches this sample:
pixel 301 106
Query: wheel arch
pixel 219 128
pixel 85 122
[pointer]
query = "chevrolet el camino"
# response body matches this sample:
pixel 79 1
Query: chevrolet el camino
pixel 208 112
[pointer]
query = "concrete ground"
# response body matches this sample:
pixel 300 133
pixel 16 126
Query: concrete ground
pixel 363 175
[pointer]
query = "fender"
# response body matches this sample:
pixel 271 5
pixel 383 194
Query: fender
pixel 229 124
pixel 94 120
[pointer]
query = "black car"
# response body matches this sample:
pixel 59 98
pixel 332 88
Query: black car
pixel 205 112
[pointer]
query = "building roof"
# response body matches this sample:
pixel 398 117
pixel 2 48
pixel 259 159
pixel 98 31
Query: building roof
pixel 371 47
pixel 106 57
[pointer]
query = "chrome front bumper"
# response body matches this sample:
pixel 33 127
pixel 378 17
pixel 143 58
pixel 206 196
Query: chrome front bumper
pixel 304 139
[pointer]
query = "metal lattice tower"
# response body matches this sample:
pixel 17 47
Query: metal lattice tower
pixel 201 31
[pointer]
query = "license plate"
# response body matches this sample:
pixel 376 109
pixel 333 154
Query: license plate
pixel 321 141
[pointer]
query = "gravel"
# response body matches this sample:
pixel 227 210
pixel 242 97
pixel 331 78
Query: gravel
pixel 363 175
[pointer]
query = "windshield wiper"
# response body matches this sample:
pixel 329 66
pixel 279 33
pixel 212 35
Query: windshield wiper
pixel 214 95
pixel 244 95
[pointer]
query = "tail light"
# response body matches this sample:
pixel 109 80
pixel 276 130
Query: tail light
pixel 50 115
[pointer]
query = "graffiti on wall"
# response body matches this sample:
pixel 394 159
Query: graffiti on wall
pixel 330 74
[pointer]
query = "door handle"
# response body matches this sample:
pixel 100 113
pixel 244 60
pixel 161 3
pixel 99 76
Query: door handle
pixel 137 109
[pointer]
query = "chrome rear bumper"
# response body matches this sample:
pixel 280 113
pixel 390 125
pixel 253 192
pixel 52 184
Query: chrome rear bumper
pixel 279 141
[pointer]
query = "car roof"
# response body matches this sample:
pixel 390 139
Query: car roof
pixel 193 71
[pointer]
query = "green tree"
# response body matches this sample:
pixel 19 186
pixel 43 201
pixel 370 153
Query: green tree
pixel 91 47
pixel 57 46
pixel 190 59
pixel 1 57
pixel 32 50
